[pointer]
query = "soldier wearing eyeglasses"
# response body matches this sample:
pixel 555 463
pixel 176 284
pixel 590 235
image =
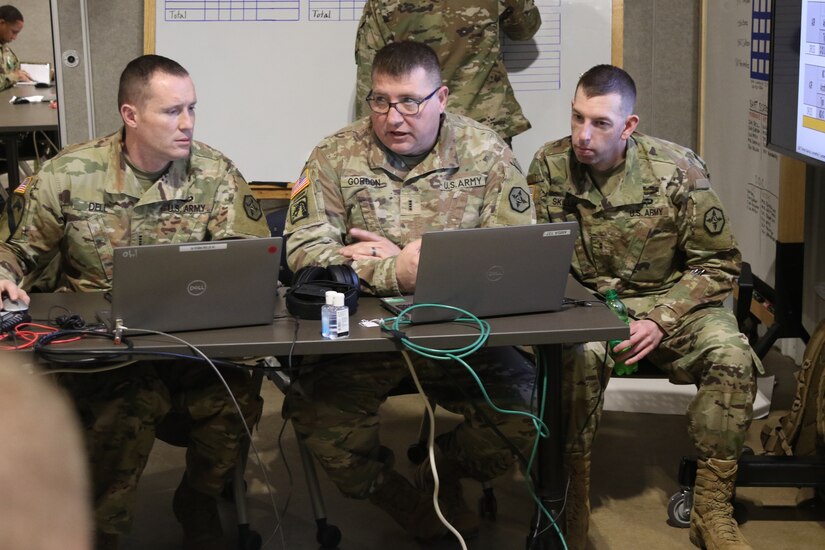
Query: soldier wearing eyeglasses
pixel 364 198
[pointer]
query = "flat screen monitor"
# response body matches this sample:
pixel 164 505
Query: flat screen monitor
pixel 796 100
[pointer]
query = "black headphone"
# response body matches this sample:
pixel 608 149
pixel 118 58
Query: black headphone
pixel 310 285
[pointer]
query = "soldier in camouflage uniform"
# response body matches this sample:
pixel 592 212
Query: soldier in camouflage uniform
pixel 11 23
pixel 652 229
pixel 466 35
pixel 148 183
pixel 366 195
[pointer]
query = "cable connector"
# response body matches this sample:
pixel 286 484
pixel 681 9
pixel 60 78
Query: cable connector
pixel 119 328
pixel 396 335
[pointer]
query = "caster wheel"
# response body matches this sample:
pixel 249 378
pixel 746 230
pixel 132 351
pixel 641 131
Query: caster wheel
pixel 488 505
pixel 328 537
pixel 678 509
pixel 417 453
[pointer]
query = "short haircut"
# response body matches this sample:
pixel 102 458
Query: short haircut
pixel 10 14
pixel 134 80
pixel 402 58
pixel 608 79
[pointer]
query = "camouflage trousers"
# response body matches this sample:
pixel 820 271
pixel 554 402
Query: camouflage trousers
pixel 121 409
pixel 706 350
pixel 334 409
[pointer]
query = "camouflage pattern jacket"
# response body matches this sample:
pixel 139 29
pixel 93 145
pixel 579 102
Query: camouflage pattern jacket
pixel 86 201
pixel 661 238
pixel 8 65
pixel 466 35
pixel 469 179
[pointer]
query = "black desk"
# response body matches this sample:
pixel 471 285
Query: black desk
pixel 550 330
pixel 16 120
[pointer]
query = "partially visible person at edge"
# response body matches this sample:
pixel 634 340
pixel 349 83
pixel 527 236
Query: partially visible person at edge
pixel 366 196
pixel 11 23
pixel 651 228
pixel 467 38
pixel 148 183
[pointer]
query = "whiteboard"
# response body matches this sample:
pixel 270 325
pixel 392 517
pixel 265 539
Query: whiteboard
pixel 274 77
pixel 743 171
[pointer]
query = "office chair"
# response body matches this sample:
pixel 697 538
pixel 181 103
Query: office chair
pixel 174 429
pixel 754 470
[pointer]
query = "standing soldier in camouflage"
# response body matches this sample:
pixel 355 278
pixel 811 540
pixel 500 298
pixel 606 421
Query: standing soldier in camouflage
pixel 367 194
pixel 466 35
pixel 11 23
pixel 148 183
pixel 652 229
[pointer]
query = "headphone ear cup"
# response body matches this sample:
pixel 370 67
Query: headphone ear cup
pixel 308 274
pixel 344 274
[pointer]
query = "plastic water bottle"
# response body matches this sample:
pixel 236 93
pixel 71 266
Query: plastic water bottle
pixel 328 314
pixel 341 317
pixel 616 306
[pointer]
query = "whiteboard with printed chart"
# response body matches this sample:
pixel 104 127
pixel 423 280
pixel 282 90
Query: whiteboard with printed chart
pixel 274 77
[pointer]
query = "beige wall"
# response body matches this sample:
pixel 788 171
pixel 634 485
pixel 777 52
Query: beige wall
pixel 661 53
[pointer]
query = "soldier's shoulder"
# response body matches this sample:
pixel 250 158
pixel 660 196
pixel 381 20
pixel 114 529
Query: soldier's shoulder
pixel 470 132
pixel 660 150
pixel 353 135
pixel 93 153
pixel 201 153
pixel 668 157
pixel 555 149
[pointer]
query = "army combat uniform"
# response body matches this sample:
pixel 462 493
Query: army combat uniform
pixel 659 236
pixel 470 179
pixel 466 35
pixel 82 204
pixel 8 65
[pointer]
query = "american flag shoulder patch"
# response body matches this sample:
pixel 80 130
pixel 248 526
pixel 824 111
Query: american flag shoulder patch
pixel 301 183
pixel 21 189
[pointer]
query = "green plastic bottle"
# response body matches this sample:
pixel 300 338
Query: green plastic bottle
pixel 616 306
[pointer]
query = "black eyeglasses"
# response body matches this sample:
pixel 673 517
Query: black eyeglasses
pixel 406 107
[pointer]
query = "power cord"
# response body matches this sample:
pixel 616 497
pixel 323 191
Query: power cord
pixel 248 431
pixel 393 326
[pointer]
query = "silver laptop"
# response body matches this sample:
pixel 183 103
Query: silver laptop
pixel 200 285
pixel 491 271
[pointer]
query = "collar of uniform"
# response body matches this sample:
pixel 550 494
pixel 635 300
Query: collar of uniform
pixel 121 180
pixel 443 154
pixel 629 192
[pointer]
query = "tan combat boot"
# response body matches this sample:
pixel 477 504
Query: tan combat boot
pixel 198 514
pixel 461 517
pixel 711 520
pixel 411 508
pixel 577 503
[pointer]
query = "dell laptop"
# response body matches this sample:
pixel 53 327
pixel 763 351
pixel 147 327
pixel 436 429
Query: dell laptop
pixel 491 271
pixel 198 285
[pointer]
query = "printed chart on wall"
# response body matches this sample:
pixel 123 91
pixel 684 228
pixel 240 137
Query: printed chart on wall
pixel 743 171
pixel 810 126
pixel 273 77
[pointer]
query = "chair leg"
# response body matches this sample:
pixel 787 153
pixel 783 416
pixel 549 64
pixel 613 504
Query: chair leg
pixel 328 535
pixel 247 538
